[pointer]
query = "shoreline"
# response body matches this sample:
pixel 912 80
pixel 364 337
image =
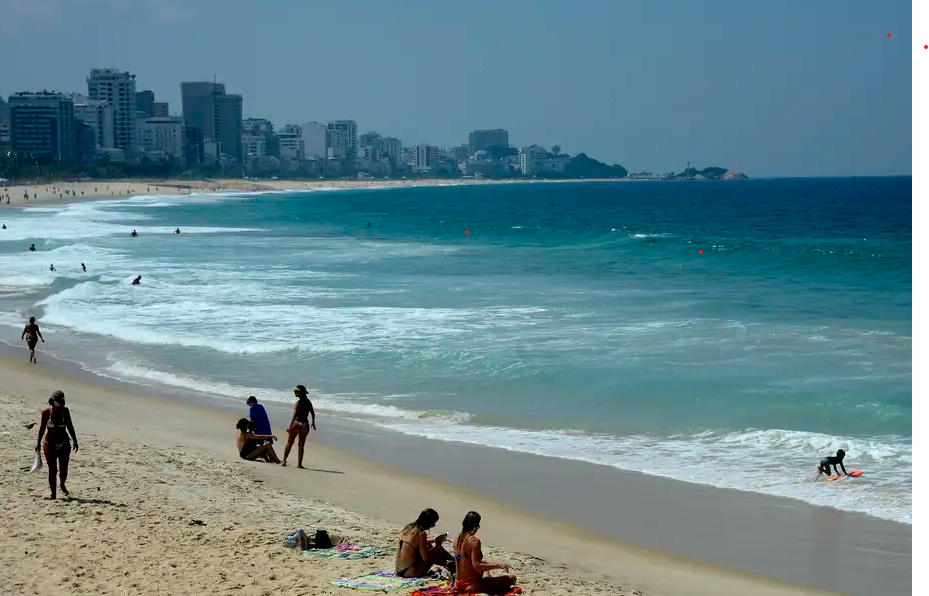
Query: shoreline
pixel 96 190
pixel 744 536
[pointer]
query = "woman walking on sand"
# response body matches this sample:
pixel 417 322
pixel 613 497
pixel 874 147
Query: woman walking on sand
pixel 57 420
pixel 32 335
pixel 300 424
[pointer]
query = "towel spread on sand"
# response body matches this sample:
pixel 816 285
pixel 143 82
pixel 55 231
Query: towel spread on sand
pixel 447 590
pixel 379 580
pixel 347 551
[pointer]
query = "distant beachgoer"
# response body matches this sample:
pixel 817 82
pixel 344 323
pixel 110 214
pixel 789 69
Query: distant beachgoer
pixel 252 446
pixel 257 414
pixel 57 420
pixel 421 553
pixel 832 462
pixel 32 335
pixel 84 267
pixel 471 570
pixel 300 424
pixel 133 234
pixel 369 224
pixel 32 248
pixel 52 267
pixel 137 281
pixel 177 230
pixel 4 226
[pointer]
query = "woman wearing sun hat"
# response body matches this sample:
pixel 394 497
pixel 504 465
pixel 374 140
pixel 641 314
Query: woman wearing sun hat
pixel 300 424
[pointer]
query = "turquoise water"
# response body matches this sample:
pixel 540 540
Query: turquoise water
pixel 572 320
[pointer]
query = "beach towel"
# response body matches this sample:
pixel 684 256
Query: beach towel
pixel 447 590
pixel 349 552
pixel 384 581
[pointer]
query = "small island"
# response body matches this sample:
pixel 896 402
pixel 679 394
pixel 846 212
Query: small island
pixel 712 173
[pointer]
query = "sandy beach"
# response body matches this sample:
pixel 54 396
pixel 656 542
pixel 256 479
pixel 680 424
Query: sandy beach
pixel 105 189
pixel 149 466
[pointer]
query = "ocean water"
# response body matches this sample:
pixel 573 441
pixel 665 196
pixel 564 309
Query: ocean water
pixel 573 320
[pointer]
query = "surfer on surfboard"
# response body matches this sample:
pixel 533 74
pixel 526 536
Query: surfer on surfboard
pixel 834 462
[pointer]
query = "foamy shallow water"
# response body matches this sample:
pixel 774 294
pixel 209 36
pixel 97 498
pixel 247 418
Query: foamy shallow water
pixel 552 336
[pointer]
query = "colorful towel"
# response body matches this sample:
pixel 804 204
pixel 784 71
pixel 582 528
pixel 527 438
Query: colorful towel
pixel 447 590
pixel 347 551
pixel 384 581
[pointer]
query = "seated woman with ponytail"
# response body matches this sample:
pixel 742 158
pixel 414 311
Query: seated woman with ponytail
pixel 472 571
pixel 416 554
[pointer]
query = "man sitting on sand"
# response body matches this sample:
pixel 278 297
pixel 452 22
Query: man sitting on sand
pixel 252 446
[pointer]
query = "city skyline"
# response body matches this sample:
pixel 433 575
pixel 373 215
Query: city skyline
pixel 791 89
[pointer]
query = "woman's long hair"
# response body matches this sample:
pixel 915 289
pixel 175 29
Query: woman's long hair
pixel 469 527
pixel 427 519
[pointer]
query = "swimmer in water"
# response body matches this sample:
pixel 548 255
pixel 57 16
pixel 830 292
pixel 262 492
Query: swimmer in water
pixel 177 230
pixel 136 281
pixel 83 268
pixel 833 462
pixel 32 248
pixel 133 234
pixel 52 267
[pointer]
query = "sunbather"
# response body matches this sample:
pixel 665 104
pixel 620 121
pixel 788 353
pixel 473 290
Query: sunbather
pixel 472 571
pixel 252 446
pixel 416 554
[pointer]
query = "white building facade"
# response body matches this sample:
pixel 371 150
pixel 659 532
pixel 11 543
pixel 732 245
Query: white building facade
pixel 99 116
pixel 164 135
pixel 314 140
pixel 117 88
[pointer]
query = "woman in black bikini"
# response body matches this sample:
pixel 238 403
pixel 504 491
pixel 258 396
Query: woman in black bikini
pixel 252 446
pixel 57 420
pixel 416 554
pixel 32 335
pixel 300 424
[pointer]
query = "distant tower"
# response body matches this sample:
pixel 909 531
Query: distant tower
pixel 688 165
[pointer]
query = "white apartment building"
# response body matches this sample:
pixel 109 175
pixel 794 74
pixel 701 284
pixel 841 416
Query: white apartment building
pixel 254 145
pixel 117 88
pixel 160 134
pixel 348 130
pixel 335 144
pixel 314 140
pixel 99 116
pixel 426 156
pixel 291 147
pixel 530 158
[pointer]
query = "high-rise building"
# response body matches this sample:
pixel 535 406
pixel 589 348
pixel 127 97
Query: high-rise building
pixel 258 126
pixel 254 145
pixel 348 130
pixel 99 116
pixel 118 89
pixel 314 140
pixel 290 142
pixel 462 152
pixel 481 140
pixel 335 144
pixel 160 109
pixel 218 116
pixel 193 147
pixel 145 103
pixel 42 125
pixel 85 141
pixel 390 147
pixel 161 134
pixel 369 139
pixel 426 156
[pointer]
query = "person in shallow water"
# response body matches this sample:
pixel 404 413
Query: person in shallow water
pixel 136 281
pixel 32 248
pixel 52 267
pixel 133 234
pixel 416 554
pixel 32 335
pixel 832 462
pixel 177 230
pixel 83 268
pixel 300 424
pixel 57 421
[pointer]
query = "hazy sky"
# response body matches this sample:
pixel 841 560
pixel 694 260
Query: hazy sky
pixel 771 88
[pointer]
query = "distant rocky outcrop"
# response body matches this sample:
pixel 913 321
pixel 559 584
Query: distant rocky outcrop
pixel 712 173
pixel 581 166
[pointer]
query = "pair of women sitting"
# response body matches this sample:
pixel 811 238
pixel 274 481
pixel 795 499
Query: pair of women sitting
pixel 416 554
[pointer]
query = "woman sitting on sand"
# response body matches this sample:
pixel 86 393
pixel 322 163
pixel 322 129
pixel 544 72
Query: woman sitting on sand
pixel 300 424
pixel 472 571
pixel 32 335
pixel 252 446
pixel 416 554
pixel 57 421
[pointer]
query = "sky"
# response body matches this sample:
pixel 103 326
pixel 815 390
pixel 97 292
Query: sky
pixel 785 88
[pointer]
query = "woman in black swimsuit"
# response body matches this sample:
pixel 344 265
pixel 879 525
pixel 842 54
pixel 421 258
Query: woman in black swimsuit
pixel 416 554
pixel 57 420
pixel 300 424
pixel 252 446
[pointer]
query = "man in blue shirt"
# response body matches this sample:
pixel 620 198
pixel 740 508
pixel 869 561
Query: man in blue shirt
pixel 257 414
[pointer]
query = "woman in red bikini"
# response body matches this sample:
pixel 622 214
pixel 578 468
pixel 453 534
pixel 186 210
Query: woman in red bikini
pixel 57 420
pixel 471 570
pixel 300 424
